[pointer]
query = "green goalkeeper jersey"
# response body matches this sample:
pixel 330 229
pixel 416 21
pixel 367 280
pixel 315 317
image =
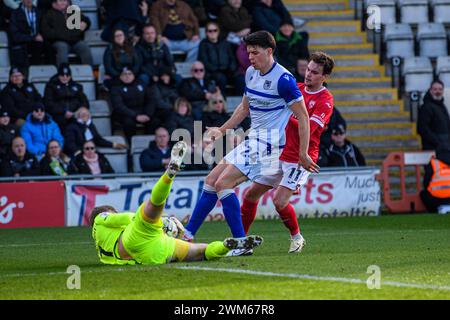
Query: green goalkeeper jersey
pixel 106 231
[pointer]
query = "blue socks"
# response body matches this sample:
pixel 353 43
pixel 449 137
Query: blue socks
pixel 232 212
pixel 204 206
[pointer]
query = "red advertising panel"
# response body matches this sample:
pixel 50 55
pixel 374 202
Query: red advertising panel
pixel 32 204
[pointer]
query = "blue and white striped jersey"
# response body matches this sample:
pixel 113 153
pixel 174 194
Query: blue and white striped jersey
pixel 270 96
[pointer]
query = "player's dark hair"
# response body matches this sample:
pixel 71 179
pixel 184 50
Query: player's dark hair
pixel 323 59
pixel 261 39
pixel 97 210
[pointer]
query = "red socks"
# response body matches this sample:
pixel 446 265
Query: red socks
pixel 248 213
pixel 289 219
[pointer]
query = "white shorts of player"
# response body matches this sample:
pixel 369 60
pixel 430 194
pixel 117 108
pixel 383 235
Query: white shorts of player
pixel 255 158
pixel 288 175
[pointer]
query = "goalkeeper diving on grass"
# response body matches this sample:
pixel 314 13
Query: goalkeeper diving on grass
pixel 140 237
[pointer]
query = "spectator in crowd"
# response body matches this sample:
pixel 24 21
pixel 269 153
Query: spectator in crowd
pixel 199 11
pixel 19 162
pixel 243 64
pixel 178 26
pixel 164 93
pixel 198 89
pixel 82 130
pixel 63 97
pixel 154 55
pixel 8 132
pixel 213 7
pixel 19 96
pixel 119 54
pixel 268 15
pixel 235 21
pixel 291 45
pixel 8 6
pixel 215 114
pixel 38 130
pixel 157 156
pixel 64 40
pixel 217 56
pixel 336 120
pixel 55 162
pixel 433 121
pixel 90 161
pixel 181 118
pixel 132 104
pixel 341 153
pixel 25 36
pixel 128 15
pixel 300 70
pixel 436 182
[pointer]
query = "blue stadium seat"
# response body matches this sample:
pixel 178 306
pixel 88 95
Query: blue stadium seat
pixel 101 116
pixel 84 74
pixel 432 40
pixel 443 70
pixel 117 157
pixel 39 76
pixel 138 144
pixel 97 45
pixel 418 74
pixel 4 51
pixel 387 10
pixel 441 10
pixel 89 9
pixel 4 76
pixel 399 40
pixel 413 11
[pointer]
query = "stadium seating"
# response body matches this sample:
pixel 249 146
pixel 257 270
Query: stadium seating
pixel 97 45
pixel 413 11
pixel 432 40
pixel 39 76
pixel 232 103
pixel 4 54
pixel 89 9
pixel 117 157
pixel 441 10
pixel 139 143
pixel 4 76
pixel 101 117
pixel 387 10
pixel 443 70
pixel 399 40
pixel 418 73
pixel 183 69
pixel 85 76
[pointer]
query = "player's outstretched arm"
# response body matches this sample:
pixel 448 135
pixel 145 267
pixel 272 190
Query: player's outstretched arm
pixel 299 110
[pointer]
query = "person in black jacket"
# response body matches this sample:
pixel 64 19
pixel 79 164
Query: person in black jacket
pixel 268 15
pixel 341 153
pixel 55 162
pixel 8 132
pixel 54 28
pixel 217 56
pixel 198 89
pixel 336 120
pixel 118 55
pixel 19 162
pixel 19 96
pixel 433 121
pixel 91 162
pixel 157 156
pixel 181 118
pixel 155 55
pixel 215 114
pixel 82 130
pixel 25 36
pixel 132 104
pixel 63 96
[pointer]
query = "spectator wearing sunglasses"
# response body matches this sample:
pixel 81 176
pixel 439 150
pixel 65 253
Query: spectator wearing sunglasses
pixel 215 114
pixel 341 152
pixel 198 89
pixel 91 162
pixel 218 56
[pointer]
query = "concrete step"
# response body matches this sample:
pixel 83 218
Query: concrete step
pixel 361 107
pixel 359 83
pixel 359 72
pixel 343 49
pixel 365 94
pixel 377 117
pixel 393 141
pixel 382 152
pixel 353 60
pixel 324 15
pixel 380 129
pixel 322 38
pixel 331 26
pixel 316 5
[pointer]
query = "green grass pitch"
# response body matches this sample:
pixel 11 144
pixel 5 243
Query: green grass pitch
pixel 412 253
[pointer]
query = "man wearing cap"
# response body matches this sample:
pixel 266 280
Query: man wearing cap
pixel 8 132
pixel 19 161
pixel 132 104
pixel 341 152
pixel 63 96
pixel 19 96
pixel 38 130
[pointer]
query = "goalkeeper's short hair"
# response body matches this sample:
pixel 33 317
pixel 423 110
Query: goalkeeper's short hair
pixel 97 210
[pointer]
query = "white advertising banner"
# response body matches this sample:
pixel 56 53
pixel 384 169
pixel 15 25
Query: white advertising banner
pixel 326 195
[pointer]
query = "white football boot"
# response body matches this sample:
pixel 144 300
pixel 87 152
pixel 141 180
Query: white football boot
pixel 297 245
pixel 177 155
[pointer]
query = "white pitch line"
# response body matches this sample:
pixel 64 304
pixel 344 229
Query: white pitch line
pixel 316 278
pixel 19 245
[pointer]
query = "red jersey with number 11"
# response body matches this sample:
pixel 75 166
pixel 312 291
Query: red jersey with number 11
pixel 320 107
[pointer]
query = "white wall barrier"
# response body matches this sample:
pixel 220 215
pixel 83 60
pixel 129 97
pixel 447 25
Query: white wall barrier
pixel 327 195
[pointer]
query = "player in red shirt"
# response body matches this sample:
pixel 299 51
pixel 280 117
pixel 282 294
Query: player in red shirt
pixel 290 176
